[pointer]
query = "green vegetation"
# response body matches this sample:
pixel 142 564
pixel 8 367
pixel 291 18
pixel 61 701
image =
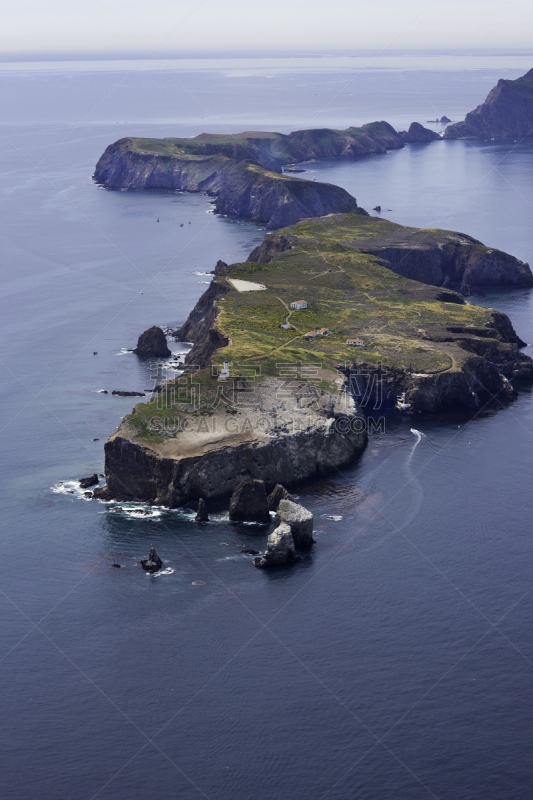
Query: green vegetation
pixel 351 293
pixel 275 149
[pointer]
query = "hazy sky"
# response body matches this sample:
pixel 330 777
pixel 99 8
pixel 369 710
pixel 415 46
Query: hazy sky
pixel 203 25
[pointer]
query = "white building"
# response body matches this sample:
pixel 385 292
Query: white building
pixel 355 342
pixel 224 372
pixel 298 305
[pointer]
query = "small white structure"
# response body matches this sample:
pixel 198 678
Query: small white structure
pixel 224 372
pixel 285 326
pixel 299 305
pixel 355 342
pixel 246 286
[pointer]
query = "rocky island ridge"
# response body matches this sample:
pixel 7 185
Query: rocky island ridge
pixel 296 406
pixel 244 171
pixel 506 112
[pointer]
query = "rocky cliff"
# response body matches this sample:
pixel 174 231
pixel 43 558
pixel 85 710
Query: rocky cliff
pixel 437 257
pixel 507 112
pixel 244 171
pixel 293 405
pixel 242 189
pixel 284 433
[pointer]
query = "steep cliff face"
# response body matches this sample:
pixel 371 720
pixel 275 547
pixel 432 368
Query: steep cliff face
pixel 484 379
pixel 435 257
pixel 286 436
pixel 507 112
pixel 291 407
pixel 242 189
pixel 452 259
pixel 251 193
pixel 244 171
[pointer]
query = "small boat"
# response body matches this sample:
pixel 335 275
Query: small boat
pixel 401 405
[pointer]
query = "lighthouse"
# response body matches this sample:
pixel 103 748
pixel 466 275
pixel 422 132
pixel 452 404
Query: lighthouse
pixel 224 372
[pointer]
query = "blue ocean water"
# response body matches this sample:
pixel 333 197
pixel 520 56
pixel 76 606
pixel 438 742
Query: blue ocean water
pixel 394 661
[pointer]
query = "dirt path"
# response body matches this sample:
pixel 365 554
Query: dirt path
pixel 290 310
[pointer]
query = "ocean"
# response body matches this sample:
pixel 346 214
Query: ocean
pixel 395 660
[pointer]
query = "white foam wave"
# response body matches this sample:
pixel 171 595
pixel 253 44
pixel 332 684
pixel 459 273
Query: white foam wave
pixel 166 571
pixel 73 488
pixel 137 511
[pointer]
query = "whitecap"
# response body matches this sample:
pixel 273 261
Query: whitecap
pixel 138 511
pixel 231 558
pixel 73 488
pixel 165 571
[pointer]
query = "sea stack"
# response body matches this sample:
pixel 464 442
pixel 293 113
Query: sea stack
pixel 279 550
pixel 300 521
pixel 249 502
pixel 153 343
pixel 202 514
pixel 153 563
pixel 275 497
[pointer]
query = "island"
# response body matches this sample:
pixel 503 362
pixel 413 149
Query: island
pixel 299 351
pixel 244 172
pixel 507 112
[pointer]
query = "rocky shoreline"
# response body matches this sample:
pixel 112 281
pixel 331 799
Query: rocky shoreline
pixel 288 434
pixel 506 112
pixel 203 434
pixel 243 172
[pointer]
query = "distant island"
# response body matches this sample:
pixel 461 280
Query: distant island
pixel 244 171
pixel 507 112
pixel 315 336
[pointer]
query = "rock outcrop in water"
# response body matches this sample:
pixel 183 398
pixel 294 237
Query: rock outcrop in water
pixel 153 563
pixel 299 520
pixel 92 480
pixel 417 133
pixel 153 343
pixel 249 502
pixel 507 112
pixel 275 497
pixel 202 514
pixel 279 549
